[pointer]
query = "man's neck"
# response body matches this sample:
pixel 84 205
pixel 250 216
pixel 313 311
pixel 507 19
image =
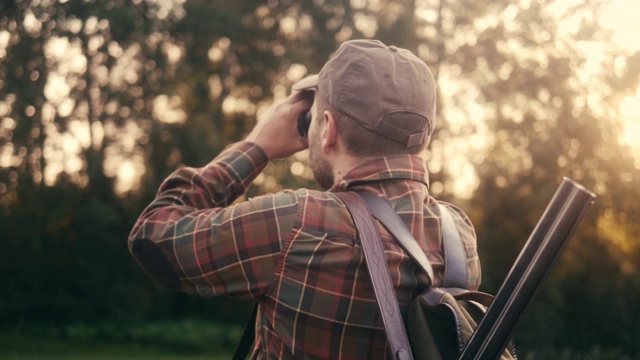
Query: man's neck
pixel 344 163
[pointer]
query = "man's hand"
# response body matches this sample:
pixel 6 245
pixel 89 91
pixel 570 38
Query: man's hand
pixel 277 130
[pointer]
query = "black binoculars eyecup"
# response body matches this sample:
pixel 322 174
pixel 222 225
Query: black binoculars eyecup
pixel 304 121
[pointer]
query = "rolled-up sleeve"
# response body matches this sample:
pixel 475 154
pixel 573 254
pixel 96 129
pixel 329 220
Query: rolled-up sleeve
pixel 191 238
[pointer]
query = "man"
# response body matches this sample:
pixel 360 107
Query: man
pixel 296 252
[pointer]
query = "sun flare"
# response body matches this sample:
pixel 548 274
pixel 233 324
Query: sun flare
pixel 630 112
pixel 620 16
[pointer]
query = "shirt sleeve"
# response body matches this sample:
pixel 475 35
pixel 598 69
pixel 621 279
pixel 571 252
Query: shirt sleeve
pixel 191 238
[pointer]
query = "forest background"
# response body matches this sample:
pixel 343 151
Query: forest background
pixel 101 100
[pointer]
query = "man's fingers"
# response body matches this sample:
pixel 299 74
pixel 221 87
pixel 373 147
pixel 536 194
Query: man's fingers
pixel 301 96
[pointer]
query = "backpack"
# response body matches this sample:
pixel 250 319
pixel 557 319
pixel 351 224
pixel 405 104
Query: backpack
pixel 441 320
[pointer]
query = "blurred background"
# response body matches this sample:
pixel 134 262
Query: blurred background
pixel 101 100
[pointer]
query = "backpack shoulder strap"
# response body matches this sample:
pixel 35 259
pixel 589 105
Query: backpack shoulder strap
pixel 379 273
pixel 455 264
pixel 455 274
pixel 384 212
pixel 248 336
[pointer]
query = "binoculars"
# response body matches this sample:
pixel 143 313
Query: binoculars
pixel 304 120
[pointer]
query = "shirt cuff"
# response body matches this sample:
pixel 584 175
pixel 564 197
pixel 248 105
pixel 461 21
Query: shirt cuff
pixel 243 160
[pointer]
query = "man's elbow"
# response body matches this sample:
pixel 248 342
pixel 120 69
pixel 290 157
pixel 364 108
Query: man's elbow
pixel 154 261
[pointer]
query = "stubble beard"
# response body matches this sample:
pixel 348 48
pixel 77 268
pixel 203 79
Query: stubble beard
pixel 321 168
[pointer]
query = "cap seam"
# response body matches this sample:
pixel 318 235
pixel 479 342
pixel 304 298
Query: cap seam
pixel 349 81
pixel 358 69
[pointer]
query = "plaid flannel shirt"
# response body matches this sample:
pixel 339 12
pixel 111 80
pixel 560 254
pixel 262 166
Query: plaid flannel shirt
pixel 296 252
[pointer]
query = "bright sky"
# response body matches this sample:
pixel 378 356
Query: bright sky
pixel 622 17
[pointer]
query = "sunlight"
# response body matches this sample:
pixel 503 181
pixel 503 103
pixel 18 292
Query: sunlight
pixel 4 42
pixel 621 16
pixel 168 109
pixel 128 175
pixel 630 110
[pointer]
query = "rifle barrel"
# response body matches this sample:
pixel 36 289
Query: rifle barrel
pixel 547 241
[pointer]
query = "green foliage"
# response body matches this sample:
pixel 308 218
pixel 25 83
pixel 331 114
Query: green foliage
pixel 58 259
pixel 64 219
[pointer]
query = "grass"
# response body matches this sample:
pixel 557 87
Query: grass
pixel 186 339
pixel 43 349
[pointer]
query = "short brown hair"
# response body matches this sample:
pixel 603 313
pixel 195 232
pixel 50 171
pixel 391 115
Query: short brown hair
pixel 361 141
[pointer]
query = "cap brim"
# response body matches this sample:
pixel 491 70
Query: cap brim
pixel 308 83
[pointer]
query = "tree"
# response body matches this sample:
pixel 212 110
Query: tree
pixel 101 100
pixel 528 83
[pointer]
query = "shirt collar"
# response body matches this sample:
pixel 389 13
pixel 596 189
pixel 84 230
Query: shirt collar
pixel 409 167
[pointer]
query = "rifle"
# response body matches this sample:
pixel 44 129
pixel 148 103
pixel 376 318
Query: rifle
pixel 547 241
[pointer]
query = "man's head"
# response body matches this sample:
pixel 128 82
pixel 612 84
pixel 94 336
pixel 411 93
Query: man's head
pixel 382 97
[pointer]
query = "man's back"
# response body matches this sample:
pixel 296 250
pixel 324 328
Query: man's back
pixel 321 303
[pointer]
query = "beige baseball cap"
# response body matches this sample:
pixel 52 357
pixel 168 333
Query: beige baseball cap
pixel 367 81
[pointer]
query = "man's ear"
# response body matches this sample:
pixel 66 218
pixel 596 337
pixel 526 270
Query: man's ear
pixel 330 133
